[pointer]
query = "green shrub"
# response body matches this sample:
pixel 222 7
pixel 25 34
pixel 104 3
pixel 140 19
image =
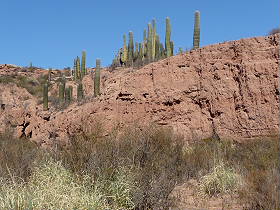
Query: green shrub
pixel 50 187
pixel 220 180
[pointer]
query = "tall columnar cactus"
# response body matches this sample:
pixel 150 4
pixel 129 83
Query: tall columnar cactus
pixel 141 54
pixel 141 51
pixel 130 48
pixel 150 43
pixel 162 51
pixel 80 91
pixel 196 34
pixel 71 93
pixel 172 47
pixel 45 97
pixel 157 48
pixel 61 92
pixel 125 51
pixel 84 64
pixel 168 37
pixel 154 33
pixel 78 68
pixel 97 78
pixel 145 43
pixel 67 96
pixel 75 70
pixel 136 51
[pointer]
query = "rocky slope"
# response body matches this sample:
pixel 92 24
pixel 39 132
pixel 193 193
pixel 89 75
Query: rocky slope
pixel 230 89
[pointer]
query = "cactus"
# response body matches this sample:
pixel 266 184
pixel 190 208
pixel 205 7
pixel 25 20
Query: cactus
pixel 80 92
pixel 157 48
pixel 84 70
pixel 71 93
pixel 144 43
pixel 97 78
pixel 154 33
pixel 61 92
pixel 150 43
pixel 141 52
pixel 67 96
pixel 136 51
pixel 167 37
pixel 162 51
pixel 172 48
pixel 130 48
pixel 78 68
pixel 125 52
pixel 196 34
pixel 45 97
pixel 75 70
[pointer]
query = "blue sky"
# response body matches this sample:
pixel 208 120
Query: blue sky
pixel 51 33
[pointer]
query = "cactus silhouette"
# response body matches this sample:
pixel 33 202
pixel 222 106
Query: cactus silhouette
pixel 83 64
pixel 196 33
pixel 168 37
pixel 97 78
pixel 45 97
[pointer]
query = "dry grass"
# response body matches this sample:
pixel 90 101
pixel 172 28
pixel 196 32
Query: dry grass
pixel 134 169
pixel 154 156
pixel 50 187
pixel 221 180
pixel 16 156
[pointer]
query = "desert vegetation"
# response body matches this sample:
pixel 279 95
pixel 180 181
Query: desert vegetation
pixel 129 168
pixel 134 169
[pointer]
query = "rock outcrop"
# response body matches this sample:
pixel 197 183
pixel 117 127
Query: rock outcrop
pixel 231 89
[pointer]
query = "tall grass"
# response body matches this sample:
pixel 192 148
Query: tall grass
pixel 154 156
pixel 134 168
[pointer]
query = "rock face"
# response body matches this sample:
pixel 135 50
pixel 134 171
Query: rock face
pixel 230 89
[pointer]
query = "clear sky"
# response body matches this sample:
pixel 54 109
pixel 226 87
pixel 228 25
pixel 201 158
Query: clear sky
pixel 51 33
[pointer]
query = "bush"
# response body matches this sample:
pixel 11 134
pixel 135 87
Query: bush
pixel 50 187
pixel 32 85
pixel 134 168
pixel 153 155
pixel 222 180
pixel 261 174
pixel 16 156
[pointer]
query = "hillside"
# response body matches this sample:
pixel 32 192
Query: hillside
pixel 230 89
